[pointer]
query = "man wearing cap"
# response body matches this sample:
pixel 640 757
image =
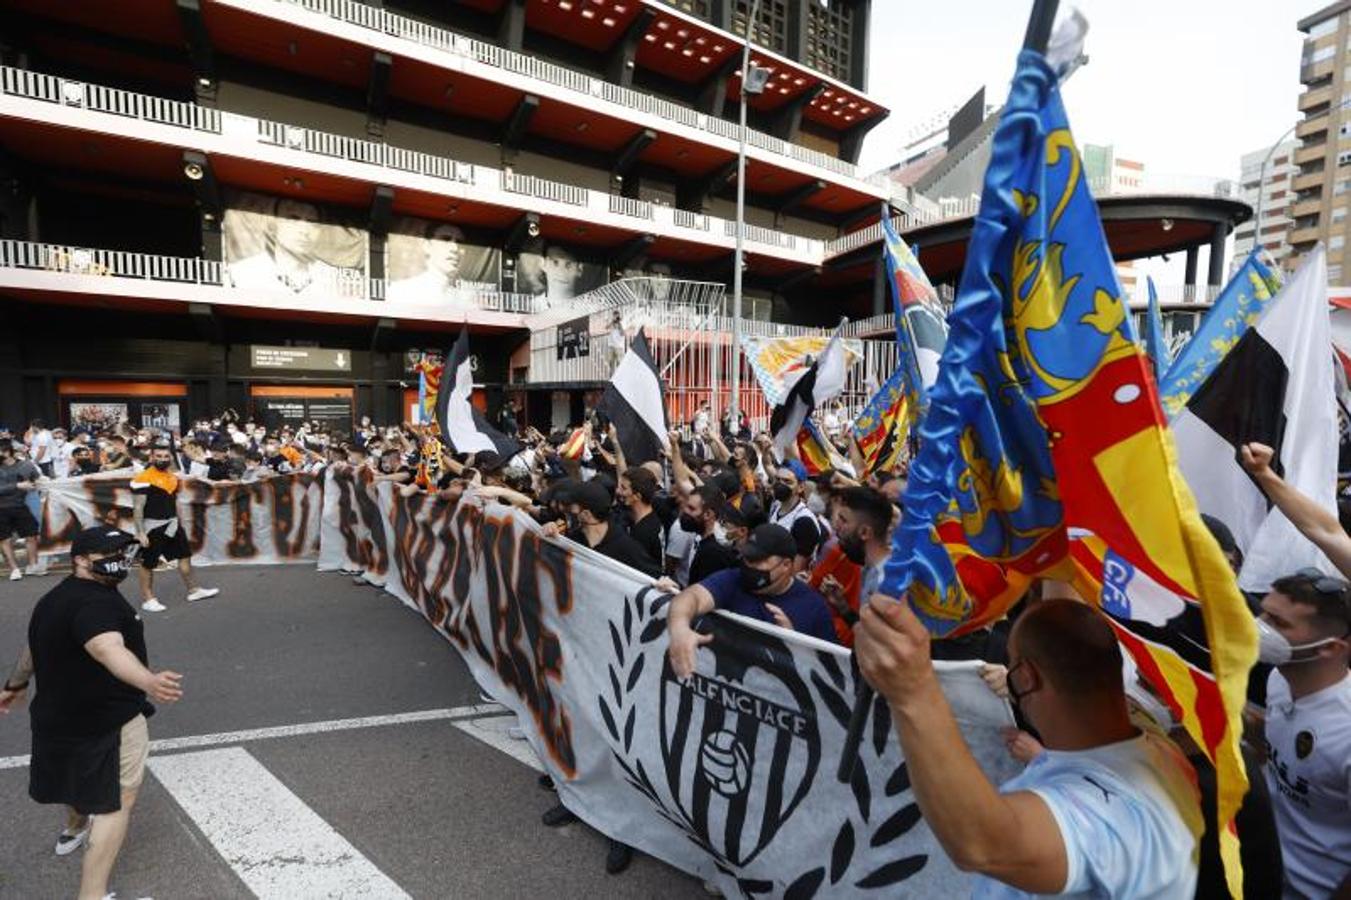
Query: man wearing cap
pixel 86 646
pixel 792 513
pixel 589 509
pixel 155 514
pixel 764 587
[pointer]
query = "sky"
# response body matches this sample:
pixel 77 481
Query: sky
pixel 1184 86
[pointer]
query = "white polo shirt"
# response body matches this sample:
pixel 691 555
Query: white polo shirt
pixel 1309 776
pixel 1130 816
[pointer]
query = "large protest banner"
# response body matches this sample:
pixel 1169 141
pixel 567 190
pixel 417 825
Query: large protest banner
pixel 270 521
pixel 729 775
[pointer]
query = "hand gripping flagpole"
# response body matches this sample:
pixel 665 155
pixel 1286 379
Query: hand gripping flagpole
pixel 1037 36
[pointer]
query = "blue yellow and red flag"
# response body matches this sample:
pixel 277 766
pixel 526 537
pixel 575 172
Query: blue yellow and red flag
pixel 882 428
pixel 818 455
pixel 429 371
pixel 1155 345
pixel 920 330
pixel 1045 454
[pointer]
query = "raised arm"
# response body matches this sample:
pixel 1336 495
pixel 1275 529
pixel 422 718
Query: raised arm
pixel 1313 521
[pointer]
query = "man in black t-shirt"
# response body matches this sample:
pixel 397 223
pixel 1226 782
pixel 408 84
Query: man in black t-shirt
pixel 636 491
pixel 86 646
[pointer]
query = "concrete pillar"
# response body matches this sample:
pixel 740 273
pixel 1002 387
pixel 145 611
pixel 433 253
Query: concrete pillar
pixel 879 286
pixel 1215 277
pixel 1190 277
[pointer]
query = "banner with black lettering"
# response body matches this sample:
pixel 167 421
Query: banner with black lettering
pixel 729 775
pixel 275 520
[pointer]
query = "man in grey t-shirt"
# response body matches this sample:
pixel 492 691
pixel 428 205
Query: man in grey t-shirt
pixel 16 478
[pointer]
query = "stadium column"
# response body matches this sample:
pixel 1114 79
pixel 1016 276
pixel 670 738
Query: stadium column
pixel 1189 277
pixel 382 340
pixel 511 25
pixel 879 285
pixel 620 61
pixel 11 371
pixel 1216 274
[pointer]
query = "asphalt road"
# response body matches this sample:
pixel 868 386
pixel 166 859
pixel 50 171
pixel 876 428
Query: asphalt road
pixel 437 811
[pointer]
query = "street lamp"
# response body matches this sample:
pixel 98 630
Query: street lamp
pixel 753 81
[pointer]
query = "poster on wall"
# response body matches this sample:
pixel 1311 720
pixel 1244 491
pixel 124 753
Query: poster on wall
pixel 573 339
pixel 281 244
pixel 97 416
pixel 163 416
pixel 333 412
pixel 557 274
pixel 431 263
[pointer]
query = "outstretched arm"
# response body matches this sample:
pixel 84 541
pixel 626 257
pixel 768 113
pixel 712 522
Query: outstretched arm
pixel 1314 522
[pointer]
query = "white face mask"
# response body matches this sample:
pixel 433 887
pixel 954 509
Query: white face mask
pixel 1274 649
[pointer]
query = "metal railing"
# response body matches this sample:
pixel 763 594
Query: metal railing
pixel 544 189
pixel 395 25
pixel 56 90
pixel 108 263
pixel 86 261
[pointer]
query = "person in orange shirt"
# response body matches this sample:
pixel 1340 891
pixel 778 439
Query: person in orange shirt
pixel 838 579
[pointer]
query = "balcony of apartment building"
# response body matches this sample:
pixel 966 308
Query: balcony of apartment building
pixel 1304 230
pixel 1314 148
pixel 1313 126
pixel 1315 100
pixel 805 127
pixel 1306 203
pixel 1311 175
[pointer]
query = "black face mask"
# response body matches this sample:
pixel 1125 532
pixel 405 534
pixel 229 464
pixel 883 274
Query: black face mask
pixel 782 492
pixel 754 580
pixel 854 549
pixel 691 524
pixel 115 568
pixel 161 464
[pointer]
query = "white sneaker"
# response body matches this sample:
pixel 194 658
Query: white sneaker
pixel 16 574
pixel 36 568
pixel 516 733
pixel 153 605
pixel 202 594
pixel 67 842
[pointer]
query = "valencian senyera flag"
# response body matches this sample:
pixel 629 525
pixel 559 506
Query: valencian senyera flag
pixel 817 454
pixel 881 429
pixel 1044 453
pixel 1155 345
pixel 1237 308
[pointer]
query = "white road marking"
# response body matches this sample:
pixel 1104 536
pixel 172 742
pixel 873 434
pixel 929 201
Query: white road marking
pixel 493 732
pixel 278 846
pixel 284 731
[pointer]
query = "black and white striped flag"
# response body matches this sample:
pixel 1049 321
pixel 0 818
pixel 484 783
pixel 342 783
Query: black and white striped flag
pixel 633 402
pixel 1276 386
pixel 463 427
pixel 823 381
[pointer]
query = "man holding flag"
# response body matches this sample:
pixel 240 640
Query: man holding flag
pixel 1044 455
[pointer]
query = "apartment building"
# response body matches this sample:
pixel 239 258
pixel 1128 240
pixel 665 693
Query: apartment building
pixel 1274 194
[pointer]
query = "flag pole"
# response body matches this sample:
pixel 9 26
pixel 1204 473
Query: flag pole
pixel 1037 36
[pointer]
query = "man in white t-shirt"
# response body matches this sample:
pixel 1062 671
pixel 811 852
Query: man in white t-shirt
pixel 1105 811
pixel 1305 632
pixel 60 453
pixel 40 446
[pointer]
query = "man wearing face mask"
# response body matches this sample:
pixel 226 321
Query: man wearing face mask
pixel 1305 632
pixel 635 491
pixel 17 478
pixel 862 524
pixel 589 525
pixel 763 587
pixel 1106 810
pixel 155 514
pixel 86 646
pixel 790 512
pixel 699 516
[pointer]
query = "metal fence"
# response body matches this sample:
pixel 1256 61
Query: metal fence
pixel 691 344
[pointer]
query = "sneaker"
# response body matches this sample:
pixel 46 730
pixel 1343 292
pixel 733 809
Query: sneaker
pixel 350 570
pixel 711 889
pixel 153 605
pixel 67 842
pixel 558 816
pixel 16 574
pixel 202 594
pixel 372 579
pixel 547 782
pixel 39 568
pixel 619 857
pixel 516 733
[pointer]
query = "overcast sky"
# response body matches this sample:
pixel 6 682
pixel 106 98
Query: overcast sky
pixel 1184 86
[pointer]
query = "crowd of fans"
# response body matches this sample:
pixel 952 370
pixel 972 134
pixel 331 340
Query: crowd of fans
pixel 724 522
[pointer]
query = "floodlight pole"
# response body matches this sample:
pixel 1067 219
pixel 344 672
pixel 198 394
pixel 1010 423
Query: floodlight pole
pixel 738 262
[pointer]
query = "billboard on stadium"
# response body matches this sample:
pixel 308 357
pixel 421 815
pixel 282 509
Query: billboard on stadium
pixel 292 246
pixel 432 263
pixel 557 273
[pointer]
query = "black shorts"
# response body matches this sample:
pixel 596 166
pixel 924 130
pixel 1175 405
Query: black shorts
pixel 17 521
pixel 82 773
pixel 165 547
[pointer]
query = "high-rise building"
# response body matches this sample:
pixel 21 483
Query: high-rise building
pixel 1108 173
pixel 273 205
pixel 1319 211
pixel 1274 194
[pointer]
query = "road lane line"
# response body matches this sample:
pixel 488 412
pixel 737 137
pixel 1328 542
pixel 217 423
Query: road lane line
pixel 492 730
pixel 284 731
pixel 276 844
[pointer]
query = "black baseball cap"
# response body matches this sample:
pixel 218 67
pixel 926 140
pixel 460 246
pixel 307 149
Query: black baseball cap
pixel 592 497
pixel 768 540
pixel 100 539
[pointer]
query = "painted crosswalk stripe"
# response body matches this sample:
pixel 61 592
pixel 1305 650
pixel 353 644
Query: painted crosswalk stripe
pixel 286 731
pixel 493 731
pixel 278 846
